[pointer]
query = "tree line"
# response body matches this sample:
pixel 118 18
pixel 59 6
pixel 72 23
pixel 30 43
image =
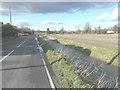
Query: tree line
pixel 87 30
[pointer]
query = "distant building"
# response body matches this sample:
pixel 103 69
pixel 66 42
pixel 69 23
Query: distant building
pixel 110 32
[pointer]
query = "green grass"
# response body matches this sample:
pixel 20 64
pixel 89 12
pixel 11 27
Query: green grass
pixel 65 72
pixel 44 45
pixel 100 52
pixel 8 30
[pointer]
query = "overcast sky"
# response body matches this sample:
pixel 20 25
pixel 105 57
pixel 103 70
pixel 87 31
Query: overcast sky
pixel 55 15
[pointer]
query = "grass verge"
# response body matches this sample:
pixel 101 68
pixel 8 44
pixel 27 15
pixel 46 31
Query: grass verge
pixel 65 72
pixel 100 52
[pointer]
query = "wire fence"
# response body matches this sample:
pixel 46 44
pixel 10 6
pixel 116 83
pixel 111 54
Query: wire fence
pixel 102 75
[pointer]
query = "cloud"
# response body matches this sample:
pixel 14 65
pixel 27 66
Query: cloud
pixel 103 17
pixel 109 17
pixel 51 22
pixel 114 15
pixel 22 23
pixel 67 27
pixel 72 27
pixel 51 7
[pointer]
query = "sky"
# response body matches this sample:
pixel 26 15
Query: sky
pixel 56 15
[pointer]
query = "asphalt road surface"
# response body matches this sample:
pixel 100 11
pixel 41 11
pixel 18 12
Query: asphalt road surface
pixel 22 64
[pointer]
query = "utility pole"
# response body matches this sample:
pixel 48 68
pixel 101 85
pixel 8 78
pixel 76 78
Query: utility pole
pixel 10 15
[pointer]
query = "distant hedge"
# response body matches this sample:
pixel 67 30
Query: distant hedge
pixel 8 30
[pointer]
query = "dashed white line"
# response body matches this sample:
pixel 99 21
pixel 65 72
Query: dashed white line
pixel 12 51
pixel 24 41
pixel 47 71
pixel 19 45
pixel 6 56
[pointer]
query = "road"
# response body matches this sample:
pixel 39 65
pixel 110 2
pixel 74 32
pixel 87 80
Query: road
pixel 22 64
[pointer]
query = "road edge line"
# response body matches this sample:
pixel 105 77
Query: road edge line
pixel 48 74
pixel 47 71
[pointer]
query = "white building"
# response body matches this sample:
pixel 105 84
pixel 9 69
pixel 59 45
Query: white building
pixel 110 32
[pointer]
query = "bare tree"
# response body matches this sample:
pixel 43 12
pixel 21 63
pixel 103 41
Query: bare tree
pixel 78 31
pixel 87 27
pixel 95 29
pixel 99 29
pixel 115 28
pixel 62 30
pixel 48 31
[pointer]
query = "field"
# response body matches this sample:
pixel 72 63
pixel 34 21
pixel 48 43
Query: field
pixel 108 40
pixel 102 47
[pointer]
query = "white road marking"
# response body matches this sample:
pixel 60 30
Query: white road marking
pixel 24 41
pixel 47 71
pixel 6 56
pixel 19 45
pixel 11 51
pixel 40 48
pixel 48 74
pixel 36 39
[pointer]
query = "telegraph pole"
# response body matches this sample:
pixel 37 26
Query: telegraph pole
pixel 10 15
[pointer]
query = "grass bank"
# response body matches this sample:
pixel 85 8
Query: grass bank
pixel 65 72
pixel 103 53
